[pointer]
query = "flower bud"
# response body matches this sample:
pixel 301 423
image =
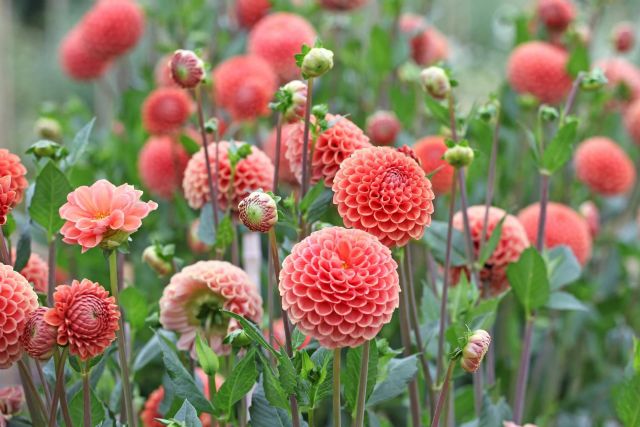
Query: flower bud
pixel 238 338
pixel 317 62
pixel 187 69
pixel 435 82
pixel 207 358
pixel 548 114
pixel 153 258
pixel 47 128
pixel 47 148
pixel 383 127
pixel 258 211
pixel 39 338
pixel 623 37
pixel 409 152
pixel 595 80
pixel 488 111
pixel 473 353
pixel 459 156
pixel 11 400
pixel 296 93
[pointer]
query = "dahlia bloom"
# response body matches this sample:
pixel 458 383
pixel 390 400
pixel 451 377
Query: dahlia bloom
pixel 513 240
pixel 10 164
pixel 556 15
pixel 7 198
pixel 342 5
pixel 591 214
pixel 86 318
pixel 250 12
pixel 103 215
pixel 623 37
pixel 621 72
pixel 564 226
pixel 244 86
pixel 279 337
pixel 252 173
pixel 632 121
pixel 165 110
pixel 473 353
pixel 17 300
pixel 428 45
pixel 11 401
pixel 192 301
pixel 339 286
pixel 258 211
pixel 269 147
pixel 539 69
pixel 277 38
pixel 385 193
pixel 161 165
pixel 331 147
pixel 604 167
pixel 430 150
pixel 78 61
pixel 39 338
pixel 187 69
pixel 36 271
pixel 113 27
pixel 383 127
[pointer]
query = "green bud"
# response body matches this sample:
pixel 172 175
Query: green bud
pixel 48 128
pixel 595 80
pixel 47 149
pixel 435 82
pixel 489 110
pixel 211 125
pixel 207 358
pixel 459 156
pixel 548 114
pixel 317 62
pixel 238 338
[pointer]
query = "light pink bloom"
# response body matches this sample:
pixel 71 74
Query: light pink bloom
pixel 103 215
pixel 11 400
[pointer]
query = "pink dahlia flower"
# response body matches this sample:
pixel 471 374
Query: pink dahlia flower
pixel 103 215
pixel 384 192
pixel 11 401
pixel 269 147
pixel 194 298
pixel 252 173
pixel 10 164
pixel 39 338
pixel 7 198
pixel 86 318
pixel 161 165
pixel 17 301
pixel 339 286
pixel 36 272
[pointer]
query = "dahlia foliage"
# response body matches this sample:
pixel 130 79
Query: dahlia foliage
pixel 320 213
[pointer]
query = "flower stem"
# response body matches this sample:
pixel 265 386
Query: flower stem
pixel 362 386
pixel 523 372
pixel 276 174
pixel 276 160
pixel 59 394
pixel 45 385
pixel 306 161
pixel 51 279
pixel 86 395
pixel 310 418
pixel 443 396
pixel 5 258
pixel 336 388
pixel 34 401
pixel 213 189
pixel 122 349
pixel 490 179
pixel 464 205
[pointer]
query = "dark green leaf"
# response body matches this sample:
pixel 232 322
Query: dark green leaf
pixel 206 227
pixel 52 188
pixel 135 306
pixel 579 60
pixel 493 415
pixel 438 111
pixel 188 415
pixel 490 245
pixel 626 398
pixel 563 266
pixel 287 374
pixel 238 384
pixel 529 280
pixel 351 374
pixel 400 372
pixel 436 238
pixel 272 388
pixel 149 352
pixel 560 149
pixel 76 409
pixel 79 144
pixel 311 196
pixel 320 206
pixel 253 331
pixel 265 415
pixel 23 250
pixel 565 301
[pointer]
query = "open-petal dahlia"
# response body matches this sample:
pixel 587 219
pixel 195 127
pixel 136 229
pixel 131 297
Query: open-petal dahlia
pixel 39 338
pixel 604 167
pixel 342 5
pixel 36 271
pixel 277 38
pixel 17 301
pixel 78 61
pixel 331 147
pixel 10 164
pixel 284 171
pixel 192 302
pixel 383 127
pixel 161 164
pixel 339 286
pixel 563 226
pixel 86 318
pixel 7 198
pixel 249 12
pixel 632 121
pixel 384 192
pixel 103 215
pixel 622 76
pixel 113 27
pixel 11 401
pixel 513 240
pixel 428 45
pixel 539 69
pixel 252 173
pixel 430 150
pixel 556 15
pixel 244 86
pixel 165 110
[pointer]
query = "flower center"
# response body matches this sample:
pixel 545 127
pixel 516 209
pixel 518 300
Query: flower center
pixel 393 177
pixel 207 310
pixel 101 215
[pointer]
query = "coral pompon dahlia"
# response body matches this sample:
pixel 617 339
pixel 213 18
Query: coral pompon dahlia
pixel 161 165
pixel 17 301
pixel 252 173
pixel 430 150
pixel 191 303
pixel 78 61
pixel 249 12
pixel 7 198
pixel 165 110
pixel 604 167
pixel 39 338
pixel 386 193
pixel 10 164
pixel 383 127
pixel 86 318
pixel 339 286
pixel 103 215
pixel 332 146
pixel 113 27
pixel 36 271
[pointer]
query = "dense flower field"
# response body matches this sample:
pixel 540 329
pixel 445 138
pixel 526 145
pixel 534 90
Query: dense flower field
pixel 312 213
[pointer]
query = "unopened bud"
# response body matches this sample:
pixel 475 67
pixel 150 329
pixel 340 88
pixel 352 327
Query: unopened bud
pixel 39 338
pixel 435 82
pixel 409 152
pixel 317 62
pixel 47 128
pixel 258 211
pixel 548 114
pixel 154 259
pixel 489 110
pixel 47 149
pixel 459 156
pixel 595 80
pixel 11 401
pixel 473 353
pixel 623 37
pixel 296 94
pixel 238 338
pixel 187 69
pixel 383 127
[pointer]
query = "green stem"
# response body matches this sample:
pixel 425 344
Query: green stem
pixel 311 420
pixel 34 401
pixel 86 395
pixel 443 396
pixel 122 349
pixel 59 394
pixel 336 388
pixel 362 386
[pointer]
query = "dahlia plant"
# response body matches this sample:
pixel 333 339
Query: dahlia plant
pixel 320 213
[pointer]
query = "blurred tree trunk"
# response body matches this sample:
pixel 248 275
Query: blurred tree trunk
pixel 6 76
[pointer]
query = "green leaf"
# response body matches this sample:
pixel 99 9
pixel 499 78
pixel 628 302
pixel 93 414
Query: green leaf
pixel 265 415
pixel 79 144
pixel 76 409
pixel 529 280
pixel 380 50
pixel 626 397
pixel 272 389
pixel 636 355
pixel 565 301
pixel 320 206
pixel 436 238
pixel 351 374
pixel 23 250
pixel 493 415
pixel 206 227
pixel 52 188
pixel 563 266
pixel 147 353
pixel 207 358
pixel 579 60
pixel 188 415
pixel 253 331
pixel 400 373
pixel 560 149
pixel 321 384
pixel 287 374
pixel 311 196
pixel 226 232
pixel 184 386
pixel 134 303
pixel 237 385
pixel 490 245
pixel 438 111
pixel 189 144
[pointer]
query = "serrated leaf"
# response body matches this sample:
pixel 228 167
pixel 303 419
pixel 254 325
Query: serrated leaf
pixel 529 280
pixel 493 415
pixel 51 190
pixel 351 374
pixel 436 238
pixel 265 415
pixel 76 409
pixel 565 301
pixel 321 388
pixel 238 384
pixel 134 303
pixel 253 331
pixel 400 372
pixel 626 397
pixel 320 206
pixel 287 374
pixel 78 145
pixel 23 250
pixel 490 245
pixel 560 149
pixel 272 389
pixel 563 266
pixel 188 415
